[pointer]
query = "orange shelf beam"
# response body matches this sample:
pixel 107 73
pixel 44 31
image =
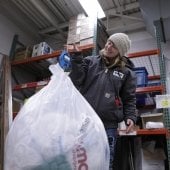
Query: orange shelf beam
pixel 162 131
pixel 143 53
pixel 30 85
pixel 150 89
pixel 156 77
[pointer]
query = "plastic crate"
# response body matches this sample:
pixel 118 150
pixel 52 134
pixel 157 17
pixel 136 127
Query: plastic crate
pixel 142 76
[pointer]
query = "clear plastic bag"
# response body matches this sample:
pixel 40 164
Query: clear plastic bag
pixel 57 129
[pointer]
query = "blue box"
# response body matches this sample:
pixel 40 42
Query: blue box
pixel 140 99
pixel 142 76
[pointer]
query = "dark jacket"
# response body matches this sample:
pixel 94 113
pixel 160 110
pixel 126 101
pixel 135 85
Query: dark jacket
pixel 110 91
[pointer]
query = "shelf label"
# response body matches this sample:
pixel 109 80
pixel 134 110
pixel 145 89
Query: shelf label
pixel 162 101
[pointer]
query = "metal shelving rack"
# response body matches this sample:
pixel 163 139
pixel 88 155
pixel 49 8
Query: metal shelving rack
pixel 163 132
pixel 163 80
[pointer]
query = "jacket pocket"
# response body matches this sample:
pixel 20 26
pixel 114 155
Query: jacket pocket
pixel 118 113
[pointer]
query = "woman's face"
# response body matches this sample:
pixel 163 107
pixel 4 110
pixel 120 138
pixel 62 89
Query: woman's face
pixel 110 50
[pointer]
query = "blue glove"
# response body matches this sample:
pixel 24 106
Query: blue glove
pixel 64 60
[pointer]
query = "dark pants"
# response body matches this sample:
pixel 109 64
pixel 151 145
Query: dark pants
pixel 112 137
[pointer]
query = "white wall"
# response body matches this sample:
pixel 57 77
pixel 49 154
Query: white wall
pixel 7 32
pixel 142 41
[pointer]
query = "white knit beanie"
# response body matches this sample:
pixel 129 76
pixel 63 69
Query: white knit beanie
pixel 122 42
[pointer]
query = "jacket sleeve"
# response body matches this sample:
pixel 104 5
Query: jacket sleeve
pixel 79 69
pixel 128 96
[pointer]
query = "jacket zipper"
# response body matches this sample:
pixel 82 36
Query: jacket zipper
pixel 101 87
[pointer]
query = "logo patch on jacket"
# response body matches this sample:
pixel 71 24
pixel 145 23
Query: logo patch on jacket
pixel 118 74
pixel 107 95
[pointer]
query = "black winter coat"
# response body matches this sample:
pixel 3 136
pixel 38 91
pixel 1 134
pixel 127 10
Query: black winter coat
pixel 110 91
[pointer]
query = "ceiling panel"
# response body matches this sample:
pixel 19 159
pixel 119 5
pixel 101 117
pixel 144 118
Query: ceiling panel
pixel 107 4
pixel 52 16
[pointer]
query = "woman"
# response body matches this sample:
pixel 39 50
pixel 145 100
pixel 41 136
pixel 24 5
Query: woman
pixel 108 83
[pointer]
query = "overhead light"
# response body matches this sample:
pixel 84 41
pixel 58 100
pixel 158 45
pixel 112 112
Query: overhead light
pixel 92 7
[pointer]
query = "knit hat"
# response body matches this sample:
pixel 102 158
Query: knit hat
pixel 122 42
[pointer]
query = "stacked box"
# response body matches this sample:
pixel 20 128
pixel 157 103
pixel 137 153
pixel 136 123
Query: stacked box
pixel 41 49
pixel 81 30
pixel 87 30
pixel 152 117
pixel 87 41
pixel 23 53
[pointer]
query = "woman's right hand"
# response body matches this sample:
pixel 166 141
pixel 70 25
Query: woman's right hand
pixel 72 48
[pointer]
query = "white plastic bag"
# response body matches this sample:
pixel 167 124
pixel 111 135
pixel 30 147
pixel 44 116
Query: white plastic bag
pixel 57 129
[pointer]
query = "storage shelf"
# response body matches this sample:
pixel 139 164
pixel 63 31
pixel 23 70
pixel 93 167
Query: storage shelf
pixel 85 48
pixel 47 56
pixel 138 90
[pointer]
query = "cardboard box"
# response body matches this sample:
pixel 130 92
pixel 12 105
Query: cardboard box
pixel 80 28
pixel 23 53
pixel 41 49
pixel 153 117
